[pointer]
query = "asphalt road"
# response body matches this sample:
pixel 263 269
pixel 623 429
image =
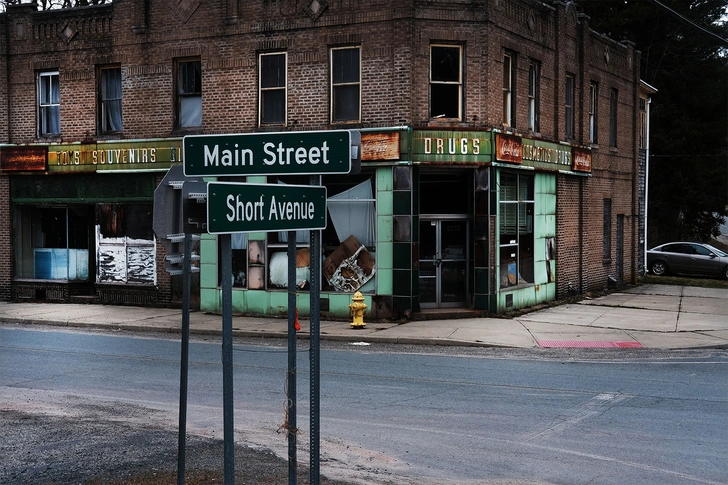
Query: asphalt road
pixel 392 414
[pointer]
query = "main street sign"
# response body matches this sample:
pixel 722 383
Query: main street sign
pixel 288 153
pixel 242 207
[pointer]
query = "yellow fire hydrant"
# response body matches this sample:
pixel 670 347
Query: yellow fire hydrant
pixel 357 308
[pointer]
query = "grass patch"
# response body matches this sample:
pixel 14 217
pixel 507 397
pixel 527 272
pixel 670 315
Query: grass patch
pixel 684 281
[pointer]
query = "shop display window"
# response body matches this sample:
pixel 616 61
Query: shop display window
pixel 351 216
pixel 516 229
pixel 125 244
pixel 52 243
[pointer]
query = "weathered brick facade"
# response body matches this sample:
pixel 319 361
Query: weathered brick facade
pixel 146 37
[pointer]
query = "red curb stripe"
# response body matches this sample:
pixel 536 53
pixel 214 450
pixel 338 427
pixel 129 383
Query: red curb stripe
pixel 587 344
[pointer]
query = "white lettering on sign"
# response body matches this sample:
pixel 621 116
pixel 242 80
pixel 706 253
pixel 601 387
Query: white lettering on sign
pixel 228 158
pixel 244 211
pixel 290 211
pixel 284 155
pixel 455 146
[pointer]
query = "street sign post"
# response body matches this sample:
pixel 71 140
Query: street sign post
pixel 237 207
pixel 242 207
pixel 287 153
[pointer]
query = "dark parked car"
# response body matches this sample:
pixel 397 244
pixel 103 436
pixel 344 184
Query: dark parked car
pixel 687 258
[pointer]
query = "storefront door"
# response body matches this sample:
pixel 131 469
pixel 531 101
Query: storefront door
pixel 443 262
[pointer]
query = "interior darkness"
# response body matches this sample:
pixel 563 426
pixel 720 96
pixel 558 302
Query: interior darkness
pixel 444 192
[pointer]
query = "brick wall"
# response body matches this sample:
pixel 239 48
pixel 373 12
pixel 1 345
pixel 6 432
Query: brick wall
pixel 6 251
pixel 395 45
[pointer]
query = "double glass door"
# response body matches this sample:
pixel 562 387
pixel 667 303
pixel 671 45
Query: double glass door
pixel 443 262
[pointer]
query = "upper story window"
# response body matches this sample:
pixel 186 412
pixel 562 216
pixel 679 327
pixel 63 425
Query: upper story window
pixel 49 104
pixel 643 123
pixel 188 92
pixel 593 104
pixel 613 118
pixel 345 84
pixel 569 107
pixel 607 231
pixel 508 91
pixel 534 94
pixel 109 99
pixel 446 81
pixel 272 98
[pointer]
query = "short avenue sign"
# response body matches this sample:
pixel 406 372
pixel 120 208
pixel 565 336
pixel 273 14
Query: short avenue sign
pixel 288 153
pixel 242 207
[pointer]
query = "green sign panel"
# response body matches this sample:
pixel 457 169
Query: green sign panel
pixel 241 207
pixel 297 152
pixel 154 155
pixel 443 146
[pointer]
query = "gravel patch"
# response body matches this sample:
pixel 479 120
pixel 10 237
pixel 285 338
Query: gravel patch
pixel 42 449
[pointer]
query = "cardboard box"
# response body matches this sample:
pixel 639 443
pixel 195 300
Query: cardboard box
pixel 344 251
pixel 349 266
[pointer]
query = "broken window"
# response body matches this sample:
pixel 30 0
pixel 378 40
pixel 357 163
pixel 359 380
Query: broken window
pixel 126 248
pixel 446 81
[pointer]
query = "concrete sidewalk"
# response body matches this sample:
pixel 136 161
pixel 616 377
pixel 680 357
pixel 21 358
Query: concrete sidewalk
pixel 651 316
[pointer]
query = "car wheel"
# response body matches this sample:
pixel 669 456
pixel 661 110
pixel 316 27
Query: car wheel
pixel 658 268
pixel 725 272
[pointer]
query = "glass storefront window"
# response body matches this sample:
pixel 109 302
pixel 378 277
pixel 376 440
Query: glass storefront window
pixel 126 246
pixel 516 196
pixel 351 211
pixel 52 243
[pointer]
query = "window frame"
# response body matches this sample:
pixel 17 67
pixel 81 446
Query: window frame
pixel 180 96
pixel 63 245
pixel 534 95
pixel 441 84
pixel 342 85
pixel 103 129
pixel 263 90
pixel 613 108
pixel 521 200
pixel 569 100
pixel 607 231
pixel 593 112
pixel 643 123
pixel 509 60
pixel 48 109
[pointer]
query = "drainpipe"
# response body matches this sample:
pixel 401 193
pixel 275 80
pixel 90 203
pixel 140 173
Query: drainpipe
pixel 647 176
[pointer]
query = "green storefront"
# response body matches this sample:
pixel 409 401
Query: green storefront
pixel 436 219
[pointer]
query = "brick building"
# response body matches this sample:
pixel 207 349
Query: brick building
pixel 500 147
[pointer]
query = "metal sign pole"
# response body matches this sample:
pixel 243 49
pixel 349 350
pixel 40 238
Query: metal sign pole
pixel 291 381
pixel 314 353
pixel 184 364
pixel 227 357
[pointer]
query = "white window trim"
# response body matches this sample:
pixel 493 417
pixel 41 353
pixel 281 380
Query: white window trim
pixel 593 106
pixel 261 89
pixel 40 105
pixel 534 74
pixel 459 82
pixel 508 59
